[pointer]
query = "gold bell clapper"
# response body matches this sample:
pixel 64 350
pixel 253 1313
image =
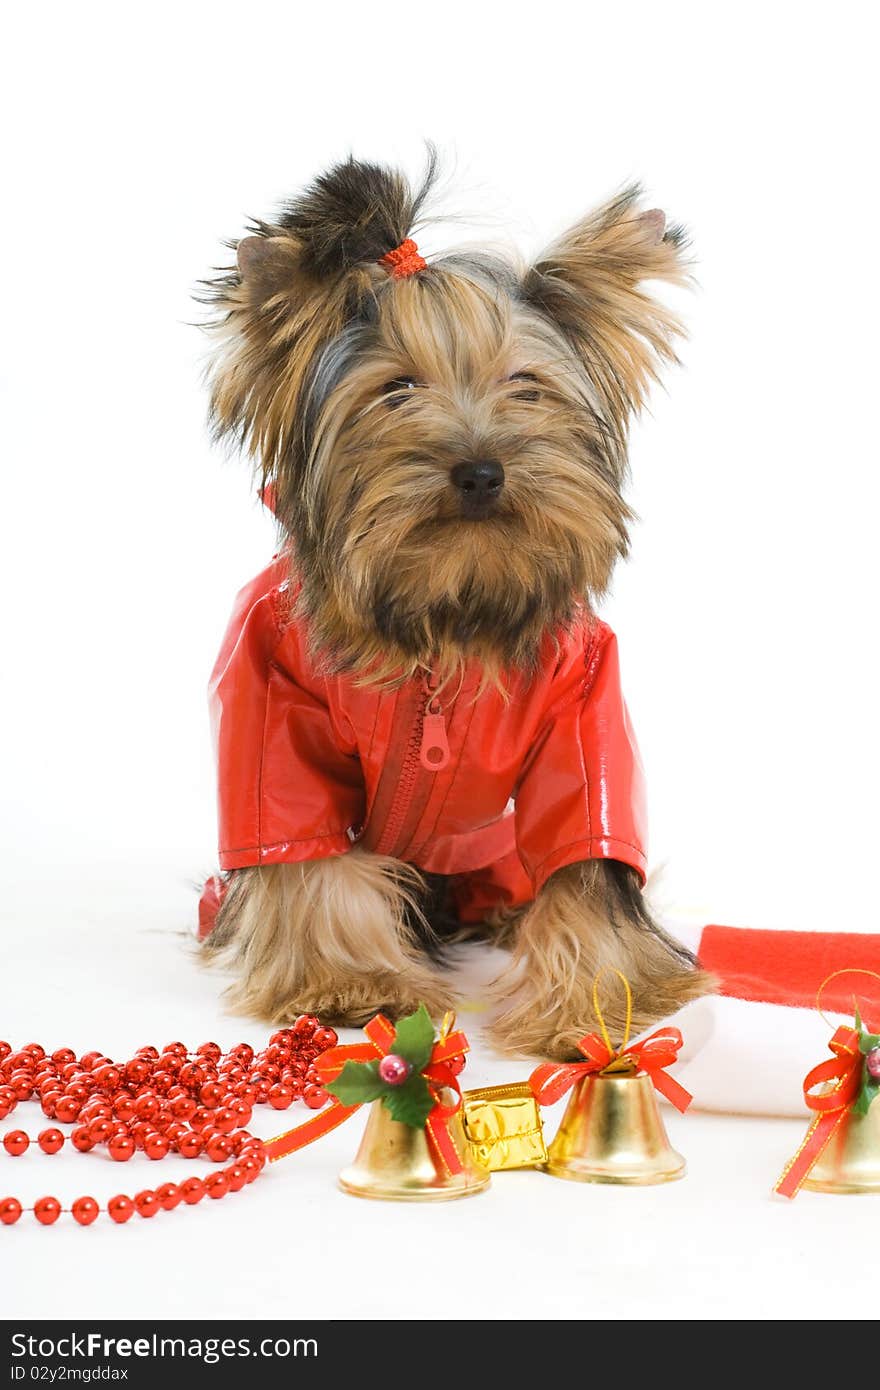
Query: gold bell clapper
pixel 413 1148
pixel 395 1163
pixel 503 1126
pixel 840 1151
pixel 611 1130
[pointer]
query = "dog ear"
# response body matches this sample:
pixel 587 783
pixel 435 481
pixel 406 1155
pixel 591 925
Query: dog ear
pixel 590 283
pixel 274 316
pixel 268 263
pixel 275 275
pixel 297 282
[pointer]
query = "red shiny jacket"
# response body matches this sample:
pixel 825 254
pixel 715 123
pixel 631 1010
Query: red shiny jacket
pixel 497 792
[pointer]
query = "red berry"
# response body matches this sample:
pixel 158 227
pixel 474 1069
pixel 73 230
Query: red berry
pixel 120 1208
pixel 47 1210
pixel 50 1140
pixel 84 1210
pixel 10 1207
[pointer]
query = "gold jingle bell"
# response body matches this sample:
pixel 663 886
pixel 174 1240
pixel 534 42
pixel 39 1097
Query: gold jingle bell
pixel 395 1163
pixel 612 1132
pixel 850 1161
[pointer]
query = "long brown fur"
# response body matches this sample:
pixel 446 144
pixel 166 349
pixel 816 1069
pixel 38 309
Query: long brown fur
pixel 329 937
pixel 357 394
pixel 588 918
pixel 391 576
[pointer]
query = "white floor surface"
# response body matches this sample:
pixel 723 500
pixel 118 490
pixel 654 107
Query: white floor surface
pixel 98 959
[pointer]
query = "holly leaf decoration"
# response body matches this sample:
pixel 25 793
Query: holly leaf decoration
pixel 357 1083
pixel 868 1041
pixel 414 1040
pixel 867 1095
pixel 411 1103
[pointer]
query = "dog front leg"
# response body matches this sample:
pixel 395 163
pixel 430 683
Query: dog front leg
pixel 586 917
pixel 332 937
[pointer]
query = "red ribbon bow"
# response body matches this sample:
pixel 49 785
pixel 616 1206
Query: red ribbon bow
pixel 380 1032
pixel 551 1080
pixel 845 1067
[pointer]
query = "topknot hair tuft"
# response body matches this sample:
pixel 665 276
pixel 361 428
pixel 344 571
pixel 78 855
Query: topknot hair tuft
pixel 354 213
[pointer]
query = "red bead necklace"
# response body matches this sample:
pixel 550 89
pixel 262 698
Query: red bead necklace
pixel 172 1101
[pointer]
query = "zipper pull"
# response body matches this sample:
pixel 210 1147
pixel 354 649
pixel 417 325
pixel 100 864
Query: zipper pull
pixel 434 748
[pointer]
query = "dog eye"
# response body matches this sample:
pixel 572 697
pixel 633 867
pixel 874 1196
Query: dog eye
pixel 396 390
pixel 527 395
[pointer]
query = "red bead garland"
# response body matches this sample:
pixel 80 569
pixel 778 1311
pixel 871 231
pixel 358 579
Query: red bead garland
pixel 160 1103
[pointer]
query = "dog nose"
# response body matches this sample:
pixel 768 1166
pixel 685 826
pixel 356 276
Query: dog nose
pixel 479 482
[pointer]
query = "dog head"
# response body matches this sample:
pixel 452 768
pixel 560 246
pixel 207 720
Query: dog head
pixel 445 442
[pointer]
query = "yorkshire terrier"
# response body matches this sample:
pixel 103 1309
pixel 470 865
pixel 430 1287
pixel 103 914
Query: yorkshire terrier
pixel 418 715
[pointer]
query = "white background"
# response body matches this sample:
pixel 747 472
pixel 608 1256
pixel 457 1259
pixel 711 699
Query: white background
pixel 135 142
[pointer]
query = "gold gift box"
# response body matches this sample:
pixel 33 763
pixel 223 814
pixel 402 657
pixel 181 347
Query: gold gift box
pixel 503 1126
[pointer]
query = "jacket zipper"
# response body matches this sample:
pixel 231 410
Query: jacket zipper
pixel 427 751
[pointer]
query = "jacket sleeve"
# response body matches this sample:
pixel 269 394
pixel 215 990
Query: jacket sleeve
pixel 288 788
pixel 581 794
